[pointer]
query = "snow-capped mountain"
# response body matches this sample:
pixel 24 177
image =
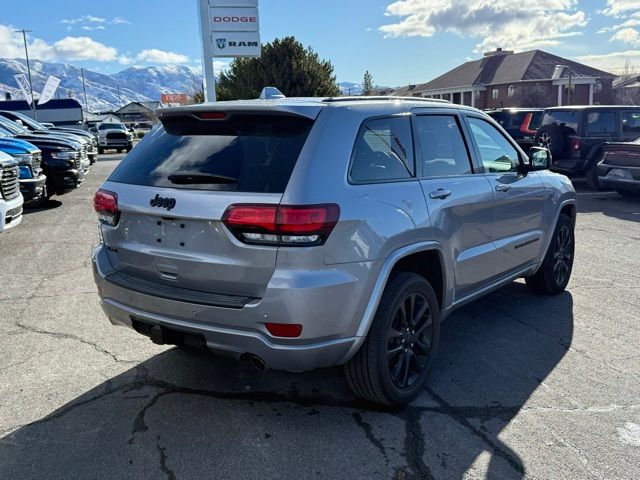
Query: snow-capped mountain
pixel 350 88
pixel 134 84
pixel 108 92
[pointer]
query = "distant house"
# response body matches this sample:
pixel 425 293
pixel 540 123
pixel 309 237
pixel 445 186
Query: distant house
pixel 136 112
pixel 626 89
pixel 528 79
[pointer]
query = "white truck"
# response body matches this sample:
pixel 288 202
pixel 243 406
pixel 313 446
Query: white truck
pixel 10 196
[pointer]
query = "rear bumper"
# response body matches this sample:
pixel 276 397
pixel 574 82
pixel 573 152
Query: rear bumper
pixel 10 213
pixel 330 308
pixel 33 189
pixel 630 182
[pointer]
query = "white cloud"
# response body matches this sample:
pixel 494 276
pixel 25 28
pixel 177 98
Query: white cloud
pixel 627 35
pixel 91 22
pixel 67 49
pixel 497 23
pixel 153 55
pixel 84 19
pixel 620 8
pixel 614 62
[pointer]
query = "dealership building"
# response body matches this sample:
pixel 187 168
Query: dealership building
pixel 504 79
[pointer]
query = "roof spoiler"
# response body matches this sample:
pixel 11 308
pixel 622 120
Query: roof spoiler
pixel 271 93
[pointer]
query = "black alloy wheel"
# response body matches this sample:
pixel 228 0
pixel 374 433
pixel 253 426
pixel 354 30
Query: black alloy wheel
pixel 409 340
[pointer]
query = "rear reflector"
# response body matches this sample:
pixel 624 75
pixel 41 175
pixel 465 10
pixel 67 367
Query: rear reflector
pixel 293 225
pixel 211 115
pixel 288 330
pixel 106 205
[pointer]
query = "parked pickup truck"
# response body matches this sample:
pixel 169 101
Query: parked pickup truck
pixel 10 197
pixel 29 158
pixel 84 138
pixel 115 136
pixel 61 158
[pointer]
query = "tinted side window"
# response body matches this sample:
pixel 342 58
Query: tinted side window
pixel 442 147
pixel 601 122
pixel 383 151
pixel 631 122
pixel 498 155
pixel 568 118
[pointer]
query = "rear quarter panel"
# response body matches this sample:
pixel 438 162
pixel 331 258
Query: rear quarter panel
pixel 375 219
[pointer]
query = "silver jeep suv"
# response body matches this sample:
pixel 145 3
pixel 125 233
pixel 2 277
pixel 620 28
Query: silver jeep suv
pixel 305 233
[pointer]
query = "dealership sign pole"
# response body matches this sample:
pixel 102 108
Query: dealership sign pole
pixel 229 29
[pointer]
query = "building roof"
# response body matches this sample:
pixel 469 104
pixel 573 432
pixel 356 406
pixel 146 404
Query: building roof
pixel 499 68
pixel 146 105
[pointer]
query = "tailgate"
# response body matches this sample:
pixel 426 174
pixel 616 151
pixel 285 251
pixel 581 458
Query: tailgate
pixel 174 187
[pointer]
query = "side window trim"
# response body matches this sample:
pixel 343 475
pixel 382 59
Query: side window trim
pixel 477 149
pixel 412 176
pixel 463 132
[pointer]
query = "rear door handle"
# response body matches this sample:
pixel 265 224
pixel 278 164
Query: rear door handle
pixel 440 193
pixel 503 187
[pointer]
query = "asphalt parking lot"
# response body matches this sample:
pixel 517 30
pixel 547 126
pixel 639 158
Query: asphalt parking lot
pixel 525 386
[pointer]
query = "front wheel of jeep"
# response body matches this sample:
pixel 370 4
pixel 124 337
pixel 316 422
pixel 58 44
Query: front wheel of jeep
pixel 394 361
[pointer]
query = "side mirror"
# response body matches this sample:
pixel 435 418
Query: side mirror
pixel 539 159
pixel 19 122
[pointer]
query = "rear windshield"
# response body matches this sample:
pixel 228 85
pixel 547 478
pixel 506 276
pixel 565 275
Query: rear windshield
pixel 246 153
pixel 111 126
pixel 568 118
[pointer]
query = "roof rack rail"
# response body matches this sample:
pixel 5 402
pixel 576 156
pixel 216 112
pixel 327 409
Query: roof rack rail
pixel 383 97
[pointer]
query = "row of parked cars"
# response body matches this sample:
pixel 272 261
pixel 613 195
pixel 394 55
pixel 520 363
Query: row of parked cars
pixel 39 160
pixel 601 143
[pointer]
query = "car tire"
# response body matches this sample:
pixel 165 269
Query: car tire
pixel 591 175
pixel 128 149
pixel 381 371
pixel 553 138
pixel 100 151
pixel 628 193
pixel 553 275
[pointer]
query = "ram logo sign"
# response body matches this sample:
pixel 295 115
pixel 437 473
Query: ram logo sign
pixel 236 44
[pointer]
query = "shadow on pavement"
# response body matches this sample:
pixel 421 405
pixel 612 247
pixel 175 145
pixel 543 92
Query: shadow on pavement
pixel 191 415
pixel 610 204
pixel 44 206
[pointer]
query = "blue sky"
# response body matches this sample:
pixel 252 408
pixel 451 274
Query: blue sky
pixel 399 42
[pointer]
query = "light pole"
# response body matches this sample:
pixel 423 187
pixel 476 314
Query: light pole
pixel 84 88
pixel 26 53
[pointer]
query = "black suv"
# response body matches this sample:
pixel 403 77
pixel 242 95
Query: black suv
pixel 520 123
pixel 576 136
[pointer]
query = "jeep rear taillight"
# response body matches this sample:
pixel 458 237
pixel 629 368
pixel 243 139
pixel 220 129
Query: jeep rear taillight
pixel 576 144
pixel 283 225
pixel 106 206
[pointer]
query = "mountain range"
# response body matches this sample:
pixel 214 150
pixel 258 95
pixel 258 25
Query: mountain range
pixel 108 92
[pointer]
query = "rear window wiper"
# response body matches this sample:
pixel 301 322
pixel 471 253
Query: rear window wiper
pixel 197 178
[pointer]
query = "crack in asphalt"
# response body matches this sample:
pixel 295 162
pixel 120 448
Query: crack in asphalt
pixel 459 414
pixel 163 461
pixel 368 431
pixel 70 336
pixel 414 445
